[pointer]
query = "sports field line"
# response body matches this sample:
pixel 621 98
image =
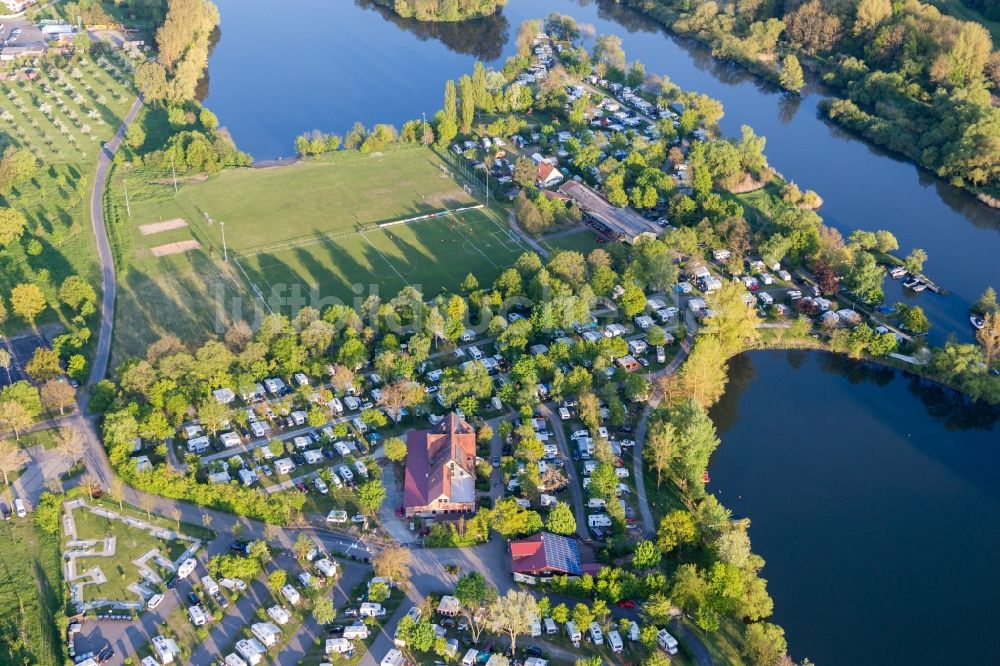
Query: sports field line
pixel 469 241
pixel 253 285
pixel 385 258
pixel 503 228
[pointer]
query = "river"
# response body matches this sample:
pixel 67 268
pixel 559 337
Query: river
pixel 875 501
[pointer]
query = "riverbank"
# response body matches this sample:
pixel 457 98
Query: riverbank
pixel 443 11
pixel 903 129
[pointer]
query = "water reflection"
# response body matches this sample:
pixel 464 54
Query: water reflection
pixel 483 38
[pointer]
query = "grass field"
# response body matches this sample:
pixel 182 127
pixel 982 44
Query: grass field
pixel 62 118
pixel 266 207
pixel 30 595
pixel 430 255
pixel 119 569
pixel 582 241
pixel 311 224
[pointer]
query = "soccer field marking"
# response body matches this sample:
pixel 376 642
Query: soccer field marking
pixel 469 241
pixel 253 285
pixel 490 215
pixel 386 259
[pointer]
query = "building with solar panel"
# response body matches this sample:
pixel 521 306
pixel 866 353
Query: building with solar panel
pixel 546 554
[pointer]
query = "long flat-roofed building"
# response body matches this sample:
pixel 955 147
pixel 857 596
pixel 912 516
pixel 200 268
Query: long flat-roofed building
pixel 618 223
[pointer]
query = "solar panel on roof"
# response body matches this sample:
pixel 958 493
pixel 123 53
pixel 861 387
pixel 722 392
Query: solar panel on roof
pixel 562 554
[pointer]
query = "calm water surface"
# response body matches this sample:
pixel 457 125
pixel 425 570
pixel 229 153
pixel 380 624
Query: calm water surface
pixel 875 501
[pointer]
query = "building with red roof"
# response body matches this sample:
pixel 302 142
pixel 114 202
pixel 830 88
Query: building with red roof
pixel 441 469
pixel 545 554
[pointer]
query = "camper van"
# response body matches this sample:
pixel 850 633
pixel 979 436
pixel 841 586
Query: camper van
pixel 615 641
pixel 666 641
pixel 599 520
pixel 573 633
pixel 595 634
pixel 19 508
pixel 536 627
pixel 370 609
pixel 550 626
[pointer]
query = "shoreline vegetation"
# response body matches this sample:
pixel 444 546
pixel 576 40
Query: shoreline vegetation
pixel 444 11
pixel 908 78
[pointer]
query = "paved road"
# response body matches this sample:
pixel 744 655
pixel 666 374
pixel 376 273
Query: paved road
pixel 105 257
pixel 575 486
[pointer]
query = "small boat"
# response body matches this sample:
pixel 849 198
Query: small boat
pixel 914 285
pixel 897 272
pixel 704 477
pixel 976 321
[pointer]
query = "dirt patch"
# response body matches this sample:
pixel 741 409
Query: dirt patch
pixel 175 248
pixel 158 227
pixel 197 178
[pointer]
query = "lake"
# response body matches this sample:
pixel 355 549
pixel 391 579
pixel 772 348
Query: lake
pixel 348 61
pixel 874 499
pixel 874 502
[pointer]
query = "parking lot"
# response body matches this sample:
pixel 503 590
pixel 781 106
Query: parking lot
pixel 21 350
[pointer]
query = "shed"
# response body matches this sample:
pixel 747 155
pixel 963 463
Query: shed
pixel 449 606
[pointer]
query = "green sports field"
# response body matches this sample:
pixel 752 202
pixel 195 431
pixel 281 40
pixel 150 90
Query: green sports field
pixel 429 254
pixel 268 207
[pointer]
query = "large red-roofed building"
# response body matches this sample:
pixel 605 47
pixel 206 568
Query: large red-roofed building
pixel 441 469
pixel 545 554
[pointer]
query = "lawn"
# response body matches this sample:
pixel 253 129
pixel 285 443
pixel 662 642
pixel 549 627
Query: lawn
pixel 294 225
pixel 119 569
pixel 63 117
pixel 264 208
pixel 582 241
pixel 30 595
pixel 430 255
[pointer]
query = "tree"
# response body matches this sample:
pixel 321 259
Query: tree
pixel 811 28
pixel 371 494
pixel 27 301
pixel 14 416
pixel 989 337
pixel 12 458
pixel 395 449
pixel 677 528
pixel 57 395
pixel 5 362
pixel 512 614
pixel 12 223
pixel 987 302
pixel 525 172
pixel 323 610
pixel 869 14
pixel 393 562
pixel 914 262
pixel 474 594
pixel 791 77
pixel 70 444
pixel 151 80
pixel 303 544
pixel 764 644
pixel 277 579
pixel 660 448
pixel 135 136
pixel 561 520
pixel 646 555
pixel 44 364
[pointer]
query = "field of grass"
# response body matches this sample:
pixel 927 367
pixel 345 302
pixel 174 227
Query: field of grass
pixel 263 207
pixel 293 225
pixel 582 241
pixel 63 118
pixel 30 595
pixel 131 545
pixel 430 254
